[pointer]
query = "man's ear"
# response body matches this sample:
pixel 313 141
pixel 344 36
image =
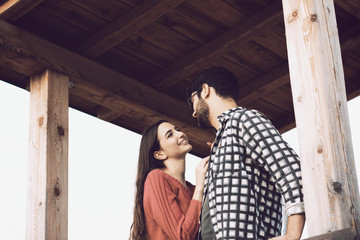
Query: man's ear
pixel 205 91
pixel 160 155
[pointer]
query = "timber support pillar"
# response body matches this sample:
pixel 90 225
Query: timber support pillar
pixel 47 190
pixel 317 80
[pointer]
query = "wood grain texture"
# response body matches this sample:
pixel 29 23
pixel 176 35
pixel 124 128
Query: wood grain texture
pixel 125 26
pixel 161 45
pixel 319 96
pixel 15 9
pixel 47 190
pixel 344 234
pixel 99 84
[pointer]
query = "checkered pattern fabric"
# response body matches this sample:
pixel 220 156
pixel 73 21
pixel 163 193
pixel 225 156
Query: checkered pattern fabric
pixel 251 169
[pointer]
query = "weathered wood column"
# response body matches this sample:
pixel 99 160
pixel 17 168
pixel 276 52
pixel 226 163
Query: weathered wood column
pixel 317 81
pixel 47 190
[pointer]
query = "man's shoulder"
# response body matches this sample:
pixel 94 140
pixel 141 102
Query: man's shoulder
pixel 242 114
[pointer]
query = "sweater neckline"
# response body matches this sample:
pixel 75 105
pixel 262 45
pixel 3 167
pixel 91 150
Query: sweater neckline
pixel 177 182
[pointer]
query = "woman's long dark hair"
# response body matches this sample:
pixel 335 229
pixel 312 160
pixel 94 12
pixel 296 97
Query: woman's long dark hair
pixel 148 145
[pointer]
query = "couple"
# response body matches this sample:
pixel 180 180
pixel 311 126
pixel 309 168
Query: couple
pixel 240 188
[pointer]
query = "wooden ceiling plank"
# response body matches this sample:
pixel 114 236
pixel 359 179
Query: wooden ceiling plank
pixel 83 19
pixel 281 99
pixel 109 10
pixel 350 38
pixel 15 9
pixel 220 11
pixel 34 51
pixel 129 110
pixel 96 83
pixel 273 42
pixel 256 57
pixel 352 88
pixel 134 20
pixel 145 50
pixel 285 123
pixel 352 7
pixel 167 39
pixel 219 46
pixel 107 115
pixel 280 75
pixel 124 62
pixel 194 24
pixel 264 84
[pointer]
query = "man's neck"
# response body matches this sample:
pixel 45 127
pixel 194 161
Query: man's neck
pixel 218 106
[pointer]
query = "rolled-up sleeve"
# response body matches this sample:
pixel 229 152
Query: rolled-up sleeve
pixel 266 147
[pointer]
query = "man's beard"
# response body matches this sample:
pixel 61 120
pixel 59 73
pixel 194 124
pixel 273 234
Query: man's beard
pixel 202 115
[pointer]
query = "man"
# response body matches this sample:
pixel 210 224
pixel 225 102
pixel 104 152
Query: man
pixel 251 168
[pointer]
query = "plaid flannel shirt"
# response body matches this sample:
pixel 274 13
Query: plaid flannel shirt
pixel 251 169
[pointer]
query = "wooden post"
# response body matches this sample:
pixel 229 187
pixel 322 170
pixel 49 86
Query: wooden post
pixel 47 190
pixel 317 80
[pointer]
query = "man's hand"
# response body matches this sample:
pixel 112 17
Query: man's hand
pixel 286 237
pixel 295 226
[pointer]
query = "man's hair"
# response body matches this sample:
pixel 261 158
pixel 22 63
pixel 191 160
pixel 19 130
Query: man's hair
pixel 222 80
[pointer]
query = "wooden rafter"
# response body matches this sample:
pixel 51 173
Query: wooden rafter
pixel 219 46
pixel 96 83
pixel 350 38
pixel 349 8
pixel 136 19
pixel 14 9
pixel 264 84
pixel 280 75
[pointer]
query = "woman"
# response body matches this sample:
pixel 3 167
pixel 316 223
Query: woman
pixel 166 206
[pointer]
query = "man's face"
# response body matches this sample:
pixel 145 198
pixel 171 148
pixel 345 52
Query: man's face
pixel 201 112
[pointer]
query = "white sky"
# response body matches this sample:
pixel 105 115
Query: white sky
pixel 102 169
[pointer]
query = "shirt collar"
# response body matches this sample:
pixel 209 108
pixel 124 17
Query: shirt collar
pixel 227 114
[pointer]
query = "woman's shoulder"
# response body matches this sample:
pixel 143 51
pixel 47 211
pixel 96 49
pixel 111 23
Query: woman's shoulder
pixel 156 176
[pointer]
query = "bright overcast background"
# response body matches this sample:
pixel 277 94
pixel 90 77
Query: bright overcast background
pixel 102 169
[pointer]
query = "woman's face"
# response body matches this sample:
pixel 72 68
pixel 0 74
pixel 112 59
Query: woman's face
pixel 173 142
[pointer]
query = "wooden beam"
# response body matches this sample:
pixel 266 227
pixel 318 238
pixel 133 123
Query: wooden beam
pixel 317 79
pixel 352 7
pixel 15 9
pixel 32 54
pixel 47 190
pixel 285 123
pixel 344 234
pixel 107 114
pixel 264 84
pixel 219 46
pixel 134 20
pixel 350 38
pixel 95 83
pixel 136 117
pixel 280 75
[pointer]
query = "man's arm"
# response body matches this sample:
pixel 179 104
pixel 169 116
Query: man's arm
pixel 269 149
pixel 295 226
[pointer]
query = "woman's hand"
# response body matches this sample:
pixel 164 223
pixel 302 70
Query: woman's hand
pixel 200 171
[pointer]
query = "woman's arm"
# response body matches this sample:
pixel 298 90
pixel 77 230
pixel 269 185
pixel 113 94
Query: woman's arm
pixel 161 204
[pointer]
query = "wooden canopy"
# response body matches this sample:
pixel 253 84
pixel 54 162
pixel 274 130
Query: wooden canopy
pixel 130 62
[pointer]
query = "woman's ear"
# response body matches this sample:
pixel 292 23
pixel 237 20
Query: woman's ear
pixel 160 155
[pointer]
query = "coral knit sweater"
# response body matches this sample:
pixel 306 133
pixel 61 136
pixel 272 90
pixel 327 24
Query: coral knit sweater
pixel 170 211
